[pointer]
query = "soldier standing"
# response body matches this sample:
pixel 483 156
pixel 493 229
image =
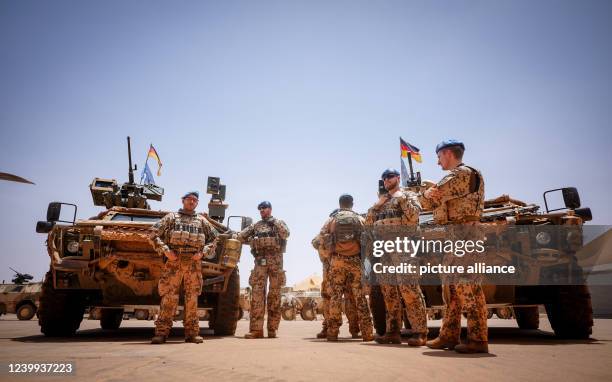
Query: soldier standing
pixel 323 243
pixel 267 238
pixel 182 238
pixel 344 228
pixel 459 199
pixel 394 209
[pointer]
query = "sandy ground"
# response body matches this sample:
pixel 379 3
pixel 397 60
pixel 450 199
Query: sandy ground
pixel 296 355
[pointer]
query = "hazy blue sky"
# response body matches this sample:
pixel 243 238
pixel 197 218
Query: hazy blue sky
pixel 297 102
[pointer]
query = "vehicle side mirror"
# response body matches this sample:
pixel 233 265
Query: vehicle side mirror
pixel 53 211
pixel 246 221
pixel 44 227
pixel 571 198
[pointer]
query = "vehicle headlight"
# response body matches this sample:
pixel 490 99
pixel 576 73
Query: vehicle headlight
pixel 543 238
pixel 72 246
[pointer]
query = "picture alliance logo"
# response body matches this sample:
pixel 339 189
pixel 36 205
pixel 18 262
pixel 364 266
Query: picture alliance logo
pixel 411 247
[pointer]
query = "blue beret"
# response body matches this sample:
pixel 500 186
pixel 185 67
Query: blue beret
pixel 264 204
pixel 449 143
pixel 194 193
pixel 389 172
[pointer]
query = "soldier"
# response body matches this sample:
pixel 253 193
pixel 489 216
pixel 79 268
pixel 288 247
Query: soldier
pixel 394 209
pixel 322 244
pixel 459 199
pixel 344 229
pixel 267 238
pixel 181 238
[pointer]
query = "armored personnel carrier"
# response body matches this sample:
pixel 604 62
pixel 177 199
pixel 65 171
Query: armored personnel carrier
pixel 106 262
pixel 548 244
pixel 21 297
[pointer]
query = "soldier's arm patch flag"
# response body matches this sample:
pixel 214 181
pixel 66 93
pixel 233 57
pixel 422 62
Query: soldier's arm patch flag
pixel 406 148
pixel 153 154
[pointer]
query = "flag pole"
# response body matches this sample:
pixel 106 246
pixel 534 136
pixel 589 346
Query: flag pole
pixel 410 166
pixel 145 165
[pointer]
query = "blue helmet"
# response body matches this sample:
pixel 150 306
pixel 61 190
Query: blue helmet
pixel 264 204
pixel 389 172
pixel 449 143
pixel 191 193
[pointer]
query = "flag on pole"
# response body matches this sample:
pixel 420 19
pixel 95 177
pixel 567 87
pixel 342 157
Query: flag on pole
pixel 153 154
pixel 407 148
pixel 146 177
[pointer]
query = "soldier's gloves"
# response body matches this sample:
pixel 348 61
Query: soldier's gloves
pixel 197 256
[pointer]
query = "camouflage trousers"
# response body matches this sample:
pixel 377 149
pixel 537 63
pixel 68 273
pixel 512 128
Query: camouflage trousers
pixel 272 271
pixel 350 310
pixel 471 298
pixel 414 304
pixel 347 271
pixel 188 272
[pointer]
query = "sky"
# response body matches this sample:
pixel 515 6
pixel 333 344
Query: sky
pixel 296 102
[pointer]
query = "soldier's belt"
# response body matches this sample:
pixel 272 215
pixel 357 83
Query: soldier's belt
pixel 180 251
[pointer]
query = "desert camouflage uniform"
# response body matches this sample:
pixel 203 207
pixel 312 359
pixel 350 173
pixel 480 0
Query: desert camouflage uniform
pixel 461 202
pixel 267 239
pixel 344 273
pixel 186 234
pixel 402 209
pixel 350 309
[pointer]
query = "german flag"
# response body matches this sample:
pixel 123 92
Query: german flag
pixel 153 154
pixel 406 148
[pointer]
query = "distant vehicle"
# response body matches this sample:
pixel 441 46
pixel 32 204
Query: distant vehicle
pixel 21 299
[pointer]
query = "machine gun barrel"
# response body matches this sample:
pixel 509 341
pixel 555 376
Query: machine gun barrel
pixel 131 171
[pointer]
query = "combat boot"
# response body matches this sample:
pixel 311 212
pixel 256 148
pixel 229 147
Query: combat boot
pixel 271 333
pixel 332 338
pixel 194 339
pixel 389 338
pixel 417 339
pixel 367 337
pixel 322 334
pixel 158 340
pixel 473 347
pixel 254 334
pixel 355 335
pixel 442 343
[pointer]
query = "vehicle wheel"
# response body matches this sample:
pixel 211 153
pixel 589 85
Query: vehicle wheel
pixel 110 318
pixel 527 317
pixel 228 308
pixel 308 314
pixel 570 311
pixel 505 313
pixel 60 312
pixel 26 312
pixel 141 314
pixel 288 313
pixel 377 307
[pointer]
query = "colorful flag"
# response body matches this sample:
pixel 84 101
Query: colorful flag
pixel 406 148
pixel 146 177
pixel 153 154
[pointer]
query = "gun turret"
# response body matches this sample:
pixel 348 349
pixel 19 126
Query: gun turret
pixel 107 193
pixel 216 205
pixel 21 278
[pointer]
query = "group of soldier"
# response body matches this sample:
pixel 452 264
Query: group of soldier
pixel 182 238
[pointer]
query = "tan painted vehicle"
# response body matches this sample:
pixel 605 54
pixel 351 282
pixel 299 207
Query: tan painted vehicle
pixel 21 299
pixel 107 262
pixel 549 245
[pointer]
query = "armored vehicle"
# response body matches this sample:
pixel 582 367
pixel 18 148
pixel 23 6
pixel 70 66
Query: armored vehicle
pixel 548 244
pixel 107 262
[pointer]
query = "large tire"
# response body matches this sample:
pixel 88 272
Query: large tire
pixel 570 311
pixel 377 307
pixel 26 312
pixel 228 308
pixel 110 318
pixel 527 317
pixel 60 311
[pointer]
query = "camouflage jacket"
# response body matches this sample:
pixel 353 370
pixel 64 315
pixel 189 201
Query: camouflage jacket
pixel 461 196
pixel 402 207
pixel 268 234
pixel 180 231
